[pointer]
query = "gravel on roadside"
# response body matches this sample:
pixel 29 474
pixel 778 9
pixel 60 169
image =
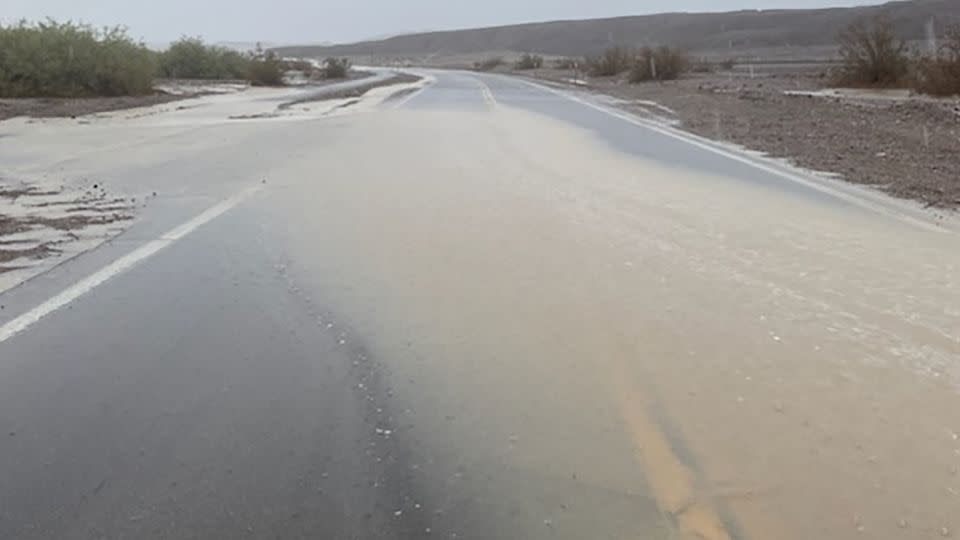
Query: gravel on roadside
pixel 909 148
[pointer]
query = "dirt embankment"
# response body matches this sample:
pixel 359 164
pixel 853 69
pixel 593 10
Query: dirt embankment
pixel 165 91
pixel 906 146
pixel 73 107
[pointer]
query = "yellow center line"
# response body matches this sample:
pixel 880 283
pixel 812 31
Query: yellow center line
pixel 673 483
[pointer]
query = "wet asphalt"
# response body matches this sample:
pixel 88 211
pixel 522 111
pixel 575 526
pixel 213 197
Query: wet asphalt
pixel 205 395
pixel 211 392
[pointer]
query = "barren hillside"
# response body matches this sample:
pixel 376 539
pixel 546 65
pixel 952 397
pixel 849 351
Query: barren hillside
pixel 732 33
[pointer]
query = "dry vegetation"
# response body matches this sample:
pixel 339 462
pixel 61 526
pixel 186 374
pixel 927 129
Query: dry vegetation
pixel 647 64
pixel 940 75
pixel 335 68
pixel 661 64
pixel 529 61
pixel 489 64
pixel 873 55
pixel 611 62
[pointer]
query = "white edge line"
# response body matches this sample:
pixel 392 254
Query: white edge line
pixel 487 94
pixel 428 82
pixel 117 267
pixel 710 146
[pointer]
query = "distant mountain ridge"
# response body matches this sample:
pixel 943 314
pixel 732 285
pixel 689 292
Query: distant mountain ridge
pixel 697 32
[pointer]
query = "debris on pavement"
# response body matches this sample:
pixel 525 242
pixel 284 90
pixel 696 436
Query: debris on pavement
pixel 40 223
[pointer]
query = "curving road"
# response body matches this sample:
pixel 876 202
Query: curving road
pixel 489 309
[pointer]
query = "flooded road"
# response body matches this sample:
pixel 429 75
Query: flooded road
pixel 468 318
pixel 797 360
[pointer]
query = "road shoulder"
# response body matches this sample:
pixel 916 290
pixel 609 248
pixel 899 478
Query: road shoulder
pixel 905 147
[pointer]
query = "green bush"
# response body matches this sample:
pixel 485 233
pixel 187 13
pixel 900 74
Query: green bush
pixel 613 61
pixel 489 64
pixel 940 75
pixel 661 64
pixel 529 61
pixel 335 68
pixel 265 69
pixel 191 58
pixel 51 59
pixel 872 55
pixel 297 65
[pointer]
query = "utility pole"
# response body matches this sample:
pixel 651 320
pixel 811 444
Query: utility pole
pixel 932 37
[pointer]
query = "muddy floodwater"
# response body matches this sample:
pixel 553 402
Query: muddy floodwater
pixel 488 321
pixel 587 335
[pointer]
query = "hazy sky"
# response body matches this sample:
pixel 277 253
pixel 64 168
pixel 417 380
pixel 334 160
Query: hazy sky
pixel 287 21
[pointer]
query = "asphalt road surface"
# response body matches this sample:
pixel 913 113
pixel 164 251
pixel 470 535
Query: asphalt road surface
pixel 484 310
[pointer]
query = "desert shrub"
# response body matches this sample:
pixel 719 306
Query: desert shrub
pixel 940 75
pixel 297 65
pixel 660 64
pixel 612 61
pixel 529 61
pixel 488 64
pixel 191 58
pixel 51 59
pixel 265 69
pixel 702 67
pixel 872 55
pixel 565 63
pixel 335 68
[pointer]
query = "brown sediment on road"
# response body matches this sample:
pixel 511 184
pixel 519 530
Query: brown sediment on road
pixel 10 225
pixel 905 147
pixel 37 252
pixel 805 355
pixel 21 191
pixel 39 222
